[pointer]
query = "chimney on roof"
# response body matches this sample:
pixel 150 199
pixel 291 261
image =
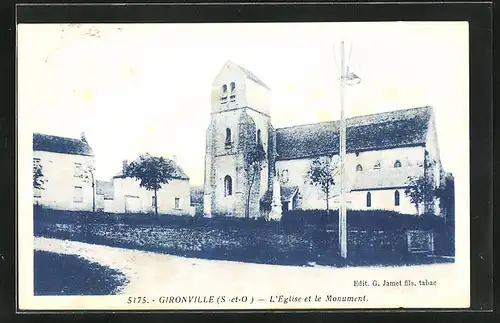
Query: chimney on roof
pixel 83 138
pixel 124 166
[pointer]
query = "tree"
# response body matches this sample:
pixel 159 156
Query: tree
pixel 446 195
pixel 321 173
pixel 420 190
pixel 38 177
pixel 152 172
pixel 254 163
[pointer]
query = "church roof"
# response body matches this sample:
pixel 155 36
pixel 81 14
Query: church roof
pixel 253 77
pixel 62 145
pixel 104 188
pixel 385 178
pixel 371 132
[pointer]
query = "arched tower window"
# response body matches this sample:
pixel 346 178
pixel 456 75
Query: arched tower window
pixel 368 199
pixel 232 88
pixel 359 168
pixel 228 137
pixel 397 164
pixel 228 186
pixel 223 92
pixel 259 140
pixel 396 198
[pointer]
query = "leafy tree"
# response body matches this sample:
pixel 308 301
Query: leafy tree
pixel 446 195
pixel 38 177
pixel 254 163
pixel 152 172
pixel 420 190
pixel 321 173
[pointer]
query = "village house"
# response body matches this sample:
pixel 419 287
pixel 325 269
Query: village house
pixel 67 168
pixel 383 150
pixel 124 195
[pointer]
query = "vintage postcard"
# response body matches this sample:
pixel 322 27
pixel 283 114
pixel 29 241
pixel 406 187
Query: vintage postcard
pixel 243 166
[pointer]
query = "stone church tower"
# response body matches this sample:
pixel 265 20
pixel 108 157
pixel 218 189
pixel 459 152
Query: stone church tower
pixel 240 119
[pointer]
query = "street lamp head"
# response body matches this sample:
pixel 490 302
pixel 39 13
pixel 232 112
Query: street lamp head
pixel 352 79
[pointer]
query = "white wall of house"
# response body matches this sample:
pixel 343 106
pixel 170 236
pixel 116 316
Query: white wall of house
pixel 173 198
pixel 63 189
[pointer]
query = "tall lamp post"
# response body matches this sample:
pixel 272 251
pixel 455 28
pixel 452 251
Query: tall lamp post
pixel 346 78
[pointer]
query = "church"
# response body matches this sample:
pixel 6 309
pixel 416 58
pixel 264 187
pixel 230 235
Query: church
pixel 383 151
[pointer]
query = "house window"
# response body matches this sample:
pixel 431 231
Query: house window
pixel 397 164
pixel 377 165
pixel 228 142
pixel 359 168
pixel 223 95
pixel 259 140
pixel 228 186
pixel 396 198
pixel 78 194
pixel 177 203
pixel 78 170
pixel 368 199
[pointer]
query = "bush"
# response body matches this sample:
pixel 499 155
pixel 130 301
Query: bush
pixel 372 220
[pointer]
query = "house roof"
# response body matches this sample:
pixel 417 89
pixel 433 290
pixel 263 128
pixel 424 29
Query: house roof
pixel 385 178
pixel 62 145
pixel 253 77
pixel 287 194
pixel 371 132
pixel 104 188
pixel 178 171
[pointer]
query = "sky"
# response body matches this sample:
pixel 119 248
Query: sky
pixel 136 88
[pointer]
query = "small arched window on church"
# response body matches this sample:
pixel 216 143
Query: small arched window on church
pixel 228 186
pixel 223 92
pixel 396 198
pixel 259 139
pixel 397 164
pixel 228 142
pixel 284 176
pixel 368 199
pixel 377 165
pixel 359 168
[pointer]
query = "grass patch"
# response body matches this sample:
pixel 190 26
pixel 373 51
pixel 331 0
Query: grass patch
pixel 58 274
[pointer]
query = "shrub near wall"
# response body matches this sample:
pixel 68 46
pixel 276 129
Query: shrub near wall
pixel 374 234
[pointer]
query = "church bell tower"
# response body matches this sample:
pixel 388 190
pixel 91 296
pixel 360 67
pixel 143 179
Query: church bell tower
pixel 239 122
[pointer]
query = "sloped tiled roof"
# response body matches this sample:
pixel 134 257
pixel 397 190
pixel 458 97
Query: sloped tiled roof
pixel 104 188
pixel 385 178
pixel 253 77
pixel 371 132
pixel 287 193
pixel 62 145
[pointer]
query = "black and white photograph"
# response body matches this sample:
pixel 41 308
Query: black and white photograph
pixel 243 165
